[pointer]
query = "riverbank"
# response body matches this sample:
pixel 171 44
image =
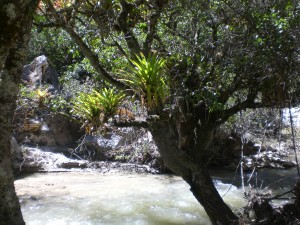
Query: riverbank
pixel 46 159
pixel 43 160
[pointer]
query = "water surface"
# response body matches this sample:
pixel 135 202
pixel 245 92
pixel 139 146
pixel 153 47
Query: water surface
pixel 113 199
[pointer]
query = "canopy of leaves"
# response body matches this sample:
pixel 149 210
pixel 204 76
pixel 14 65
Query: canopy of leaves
pixel 222 56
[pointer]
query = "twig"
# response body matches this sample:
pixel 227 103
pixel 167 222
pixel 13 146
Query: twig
pixel 236 171
pixel 280 195
pixel 242 162
pixel 79 147
pixel 258 152
pixel 22 164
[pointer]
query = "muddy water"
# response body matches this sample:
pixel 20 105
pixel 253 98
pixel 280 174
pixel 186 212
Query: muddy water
pixel 93 198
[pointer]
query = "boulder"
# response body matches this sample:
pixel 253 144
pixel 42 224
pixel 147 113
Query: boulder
pixel 50 130
pixel 41 159
pixel 98 147
pixel 39 72
pixel 65 132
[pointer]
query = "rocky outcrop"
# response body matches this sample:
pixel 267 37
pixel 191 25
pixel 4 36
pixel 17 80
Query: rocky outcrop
pixel 39 72
pixel 44 159
pixel 44 134
pixel 44 129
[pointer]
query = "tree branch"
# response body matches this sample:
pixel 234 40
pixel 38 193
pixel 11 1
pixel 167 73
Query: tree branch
pixel 249 103
pixel 134 123
pixel 94 59
pixel 152 29
pixel 130 39
pixel 88 53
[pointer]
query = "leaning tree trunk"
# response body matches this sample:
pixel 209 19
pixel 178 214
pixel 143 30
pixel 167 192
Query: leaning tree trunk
pixel 15 26
pixel 182 163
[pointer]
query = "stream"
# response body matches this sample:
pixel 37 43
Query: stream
pixel 90 198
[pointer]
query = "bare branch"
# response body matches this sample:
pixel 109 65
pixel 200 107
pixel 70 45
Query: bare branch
pixel 94 59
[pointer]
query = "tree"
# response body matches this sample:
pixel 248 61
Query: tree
pixel 15 26
pixel 222 57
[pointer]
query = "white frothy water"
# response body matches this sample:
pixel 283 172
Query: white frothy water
pixel 113 199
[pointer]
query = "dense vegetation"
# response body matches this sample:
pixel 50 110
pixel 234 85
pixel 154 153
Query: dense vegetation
pixel 191 64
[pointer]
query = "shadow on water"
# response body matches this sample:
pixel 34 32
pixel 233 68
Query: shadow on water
pixel 275 179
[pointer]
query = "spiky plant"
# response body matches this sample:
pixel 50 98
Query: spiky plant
pixel 96 107
pixel 146 77
pixel 42 96
pixel 109 100
pixel 86 106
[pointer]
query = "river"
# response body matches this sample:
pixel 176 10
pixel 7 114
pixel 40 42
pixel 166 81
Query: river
pixel 113 199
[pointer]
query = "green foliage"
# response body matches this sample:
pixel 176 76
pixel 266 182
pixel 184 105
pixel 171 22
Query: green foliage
pixel 109 100
pixel 59 103
pixel 25 93
pixel 219 47
pixel 97 107
pixel 56 45
pixel 145 76
pixel 87 107
pixel 40 96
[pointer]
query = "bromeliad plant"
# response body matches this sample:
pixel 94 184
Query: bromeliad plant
pixel 96 107
pixel 42 96
pixel 145 76
pixel 109 101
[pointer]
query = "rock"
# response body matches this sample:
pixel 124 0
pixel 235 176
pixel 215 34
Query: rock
pixel 38 160
pixel 111 142
pixel 288 164
pixel 50 130
pixel 64 131
pixel 98 147
pixel 123 145
pixel 40 71
pixel 116 167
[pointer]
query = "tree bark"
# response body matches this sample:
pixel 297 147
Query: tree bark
pixel 183 160
pixel 15 26
pixel 205 192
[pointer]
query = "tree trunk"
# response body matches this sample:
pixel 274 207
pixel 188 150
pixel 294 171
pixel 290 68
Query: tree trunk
pixel 193 171
pixel 207 195
pixel 15 26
